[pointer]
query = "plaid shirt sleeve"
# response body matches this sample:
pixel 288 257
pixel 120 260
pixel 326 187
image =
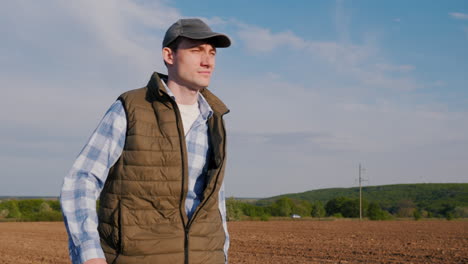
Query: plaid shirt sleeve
pixel 83 184
pixel 222 210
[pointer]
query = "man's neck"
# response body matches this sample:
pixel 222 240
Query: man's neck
pixel 183 95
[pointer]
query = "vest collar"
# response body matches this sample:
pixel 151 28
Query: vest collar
pixel 157 91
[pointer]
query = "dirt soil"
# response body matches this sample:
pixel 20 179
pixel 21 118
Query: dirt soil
pixel 35 242
pixel 349 242
pixel 281 242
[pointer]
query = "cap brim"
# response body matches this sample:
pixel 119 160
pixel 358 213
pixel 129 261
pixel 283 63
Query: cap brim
pixel 217 39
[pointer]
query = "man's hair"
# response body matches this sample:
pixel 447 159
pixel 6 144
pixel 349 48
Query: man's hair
pixel 174 45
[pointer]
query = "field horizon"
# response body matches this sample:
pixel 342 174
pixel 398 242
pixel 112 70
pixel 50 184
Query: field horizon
pixel 265 197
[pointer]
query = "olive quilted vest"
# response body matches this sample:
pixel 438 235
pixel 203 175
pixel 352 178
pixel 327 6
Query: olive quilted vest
pixel 142 216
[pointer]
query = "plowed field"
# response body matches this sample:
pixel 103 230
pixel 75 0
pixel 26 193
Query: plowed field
pixel 282 242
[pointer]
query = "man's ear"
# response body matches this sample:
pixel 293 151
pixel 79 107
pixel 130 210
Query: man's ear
pixel 168 56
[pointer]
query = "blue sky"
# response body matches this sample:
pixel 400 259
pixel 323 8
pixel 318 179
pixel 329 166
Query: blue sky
pixel 314 87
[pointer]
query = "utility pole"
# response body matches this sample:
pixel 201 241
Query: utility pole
pixel 361 170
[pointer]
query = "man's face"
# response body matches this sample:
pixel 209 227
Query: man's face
pixel 192 64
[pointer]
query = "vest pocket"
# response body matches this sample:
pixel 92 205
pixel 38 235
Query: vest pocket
pixel 108 228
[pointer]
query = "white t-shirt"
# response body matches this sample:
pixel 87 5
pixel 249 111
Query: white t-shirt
pixel 189 114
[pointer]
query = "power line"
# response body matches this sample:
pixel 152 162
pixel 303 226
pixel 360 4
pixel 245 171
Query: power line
pixel 361 170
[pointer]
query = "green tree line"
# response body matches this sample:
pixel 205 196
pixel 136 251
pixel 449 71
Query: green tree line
pixel 30 210
pixel 451 201
pixel 399 200
pixel 340 207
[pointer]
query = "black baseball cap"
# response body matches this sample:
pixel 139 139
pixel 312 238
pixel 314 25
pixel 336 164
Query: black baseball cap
pixel 194 28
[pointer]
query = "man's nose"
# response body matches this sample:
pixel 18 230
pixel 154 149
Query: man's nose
pixel 207 60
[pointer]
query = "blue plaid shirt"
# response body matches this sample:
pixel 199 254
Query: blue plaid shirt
pixel 83 184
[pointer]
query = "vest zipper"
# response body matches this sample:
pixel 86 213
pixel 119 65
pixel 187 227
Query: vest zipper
pixel 216 179
pixel 182 194
pixel 182 204
pixel 189 224
pixel 186 245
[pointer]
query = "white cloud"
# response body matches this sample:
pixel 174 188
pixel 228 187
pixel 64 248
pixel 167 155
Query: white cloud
pixel 362 62
pixel 328 111
pixel 302 128
pixel 395 68
pixel 90 50
pixel 125 27
pixel 461 16
pixel 214 21
pixel 260 39
pixel 63 64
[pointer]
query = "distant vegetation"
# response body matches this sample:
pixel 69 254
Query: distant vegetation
pixel 379 203
pixel 30 210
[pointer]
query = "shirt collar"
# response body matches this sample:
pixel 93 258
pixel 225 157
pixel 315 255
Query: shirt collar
pixel 205 109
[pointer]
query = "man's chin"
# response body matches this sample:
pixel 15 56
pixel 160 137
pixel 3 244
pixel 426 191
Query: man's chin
pixel 202 85
pixel 197 87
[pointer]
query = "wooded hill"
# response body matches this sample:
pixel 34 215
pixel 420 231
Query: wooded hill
pixel 428 196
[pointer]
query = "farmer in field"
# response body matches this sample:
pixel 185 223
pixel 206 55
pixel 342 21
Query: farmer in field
pixel 156 161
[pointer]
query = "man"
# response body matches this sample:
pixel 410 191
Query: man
pixel 156 161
